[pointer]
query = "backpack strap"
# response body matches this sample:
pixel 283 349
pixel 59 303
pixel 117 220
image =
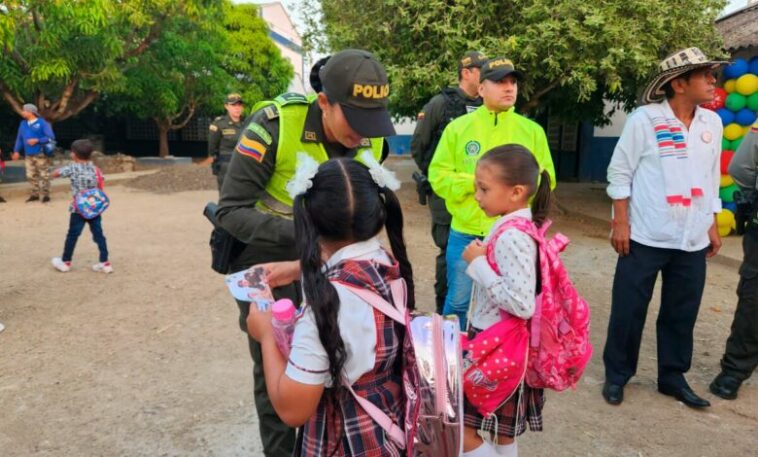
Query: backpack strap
pixel 521 224
pixel 396 313
pixel 399 296
pixel 395 433
pixel 100 180
pixel 538 234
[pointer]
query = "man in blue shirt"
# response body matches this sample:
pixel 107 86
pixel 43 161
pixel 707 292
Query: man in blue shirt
pixel 34 138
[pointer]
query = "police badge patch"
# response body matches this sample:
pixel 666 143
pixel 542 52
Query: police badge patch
pixel 473 148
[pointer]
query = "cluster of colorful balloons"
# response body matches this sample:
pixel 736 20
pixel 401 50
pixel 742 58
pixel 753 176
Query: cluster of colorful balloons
pixel 737 105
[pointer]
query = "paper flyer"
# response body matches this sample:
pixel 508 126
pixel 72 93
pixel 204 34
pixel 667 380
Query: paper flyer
pixel 250 285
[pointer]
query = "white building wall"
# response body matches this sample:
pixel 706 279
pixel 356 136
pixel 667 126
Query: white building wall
pixel 281 26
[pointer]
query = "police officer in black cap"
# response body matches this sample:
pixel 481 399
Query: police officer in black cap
pixel 223 134
pixel 449 104
pixel 347 116
pixel 741 355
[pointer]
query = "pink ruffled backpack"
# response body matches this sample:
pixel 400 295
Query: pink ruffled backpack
pixel 559 343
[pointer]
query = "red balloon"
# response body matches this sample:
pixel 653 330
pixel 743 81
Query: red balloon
pixel 719 98
pixel 726 157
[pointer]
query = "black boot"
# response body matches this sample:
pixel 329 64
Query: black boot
pixel 725 386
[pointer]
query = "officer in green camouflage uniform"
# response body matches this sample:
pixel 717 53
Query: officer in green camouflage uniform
pixel 347 116
pixel 223 134
pixel 449 104
pixel 741 355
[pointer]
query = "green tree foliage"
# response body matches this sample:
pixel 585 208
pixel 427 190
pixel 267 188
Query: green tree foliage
pixel 574 53
pixel 178 76
pixel 61 54
pixel 252 57
pixel 196 62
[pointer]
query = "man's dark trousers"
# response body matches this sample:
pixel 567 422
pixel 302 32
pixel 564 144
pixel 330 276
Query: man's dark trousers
pixel 440 233
pixel 683 275
pixel 741 356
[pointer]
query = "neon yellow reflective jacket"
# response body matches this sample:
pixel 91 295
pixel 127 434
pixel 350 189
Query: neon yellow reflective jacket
pixel 467 138
pixel 292 110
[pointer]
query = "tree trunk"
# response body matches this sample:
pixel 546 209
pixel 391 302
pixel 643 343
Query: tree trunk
pixel 163 128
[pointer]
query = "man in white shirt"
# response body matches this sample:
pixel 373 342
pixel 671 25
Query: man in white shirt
pixel 664 180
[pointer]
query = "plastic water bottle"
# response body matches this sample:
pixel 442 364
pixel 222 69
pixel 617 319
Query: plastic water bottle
pixel 284 316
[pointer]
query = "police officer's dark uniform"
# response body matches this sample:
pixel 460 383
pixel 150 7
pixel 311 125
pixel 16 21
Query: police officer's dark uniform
pixel 451 103
pixel 254 206
pixel 223 135
pixel 741 355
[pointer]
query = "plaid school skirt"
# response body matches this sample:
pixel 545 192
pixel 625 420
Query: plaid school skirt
pixel 513 416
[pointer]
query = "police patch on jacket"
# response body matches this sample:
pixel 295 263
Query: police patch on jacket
pixel 251 148
pixel 472 148
pixel 260 131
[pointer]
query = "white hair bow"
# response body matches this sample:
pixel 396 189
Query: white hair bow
pixel 382 176
pixel 304 172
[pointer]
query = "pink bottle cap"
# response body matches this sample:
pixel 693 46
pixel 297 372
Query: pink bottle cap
pixel 283 309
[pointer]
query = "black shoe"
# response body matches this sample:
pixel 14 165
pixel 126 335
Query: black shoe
pixel 613 393
pixel 725 386
pixel 46 199
pixel 2 200
pixel 33 198
pixel 684 395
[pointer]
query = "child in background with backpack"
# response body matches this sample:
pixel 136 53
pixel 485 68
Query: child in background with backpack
pixel 83 175
pixel 507 177
pixel 341 338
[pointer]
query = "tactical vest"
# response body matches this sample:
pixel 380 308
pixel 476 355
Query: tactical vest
pixel 292 110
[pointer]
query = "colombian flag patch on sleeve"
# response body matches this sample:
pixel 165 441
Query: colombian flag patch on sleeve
pixel 251 148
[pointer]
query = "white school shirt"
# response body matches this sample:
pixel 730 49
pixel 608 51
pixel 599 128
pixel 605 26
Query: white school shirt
pixel 635 172
pixel 514 291
pixel 308 361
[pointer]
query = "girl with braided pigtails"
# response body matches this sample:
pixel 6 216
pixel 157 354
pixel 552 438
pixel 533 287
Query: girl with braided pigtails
pixel 339 209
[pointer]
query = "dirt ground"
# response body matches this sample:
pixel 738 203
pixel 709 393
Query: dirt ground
pixel 149 361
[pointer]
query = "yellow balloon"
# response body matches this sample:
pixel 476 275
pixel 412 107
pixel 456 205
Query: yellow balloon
pixel 730 85
pixel 747 84
pixel 733 131
pixel 726 181
pixel 726 222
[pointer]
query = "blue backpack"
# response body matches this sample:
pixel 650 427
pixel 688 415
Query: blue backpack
pixel 91 203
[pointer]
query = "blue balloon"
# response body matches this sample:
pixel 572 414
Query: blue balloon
pixel 726 115
pixel 731 206
pixel 753 65
pixel 745 117
pixel 736 69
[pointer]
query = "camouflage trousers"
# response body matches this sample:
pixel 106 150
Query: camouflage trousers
pixel 38 174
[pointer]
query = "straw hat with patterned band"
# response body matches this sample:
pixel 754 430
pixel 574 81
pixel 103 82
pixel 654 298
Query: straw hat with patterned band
pixel 674 66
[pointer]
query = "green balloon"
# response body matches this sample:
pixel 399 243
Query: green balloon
pixel 735 101
pixel 752 102
pixel 725 144
pixel 726 194
pixel 736 143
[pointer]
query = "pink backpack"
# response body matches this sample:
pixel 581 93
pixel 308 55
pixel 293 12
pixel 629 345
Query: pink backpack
pixel 431 379
pixel 559 346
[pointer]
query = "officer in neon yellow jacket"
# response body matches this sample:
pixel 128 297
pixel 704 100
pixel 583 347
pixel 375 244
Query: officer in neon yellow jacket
pixel 347 116
pixel 451 171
